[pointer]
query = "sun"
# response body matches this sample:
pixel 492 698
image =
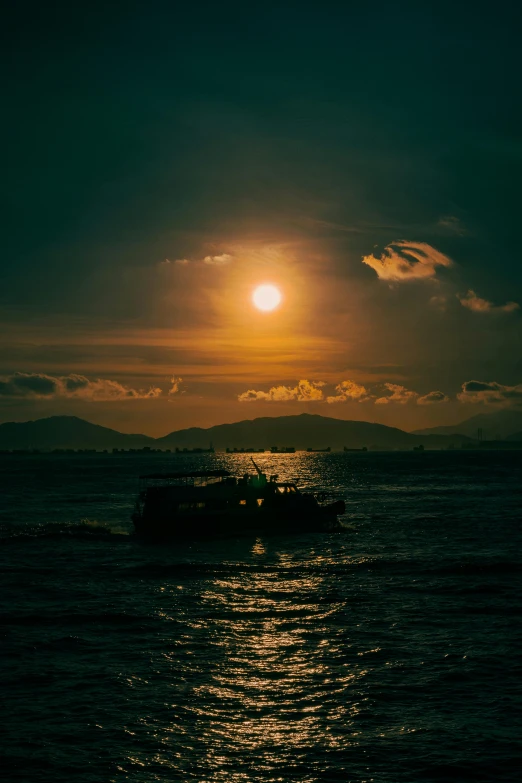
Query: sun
pixel 266 297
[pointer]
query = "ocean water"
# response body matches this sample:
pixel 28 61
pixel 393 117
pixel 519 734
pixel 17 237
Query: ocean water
pixel 389 652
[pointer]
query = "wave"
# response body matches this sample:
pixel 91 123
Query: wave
pixel 301 570
pixel 476 568
pixel 73 618
pixel 86 528
pixel 93 530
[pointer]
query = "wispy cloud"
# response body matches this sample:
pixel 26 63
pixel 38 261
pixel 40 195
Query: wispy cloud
pixel 452 225
pixel 221 260
pixel 347 391
pixel 476 304
pixel 403 261
pixel 39 385
pixel 316 223
pixel 304 391
pixel 218 260
pixel 438 302
pixel 433 398
pixel 490 393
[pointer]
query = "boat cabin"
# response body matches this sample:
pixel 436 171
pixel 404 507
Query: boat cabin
pixel 168 494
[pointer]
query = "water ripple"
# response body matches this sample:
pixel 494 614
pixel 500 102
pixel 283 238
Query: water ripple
pixel 387 654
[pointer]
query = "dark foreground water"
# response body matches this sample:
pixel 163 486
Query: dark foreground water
pixel 389 652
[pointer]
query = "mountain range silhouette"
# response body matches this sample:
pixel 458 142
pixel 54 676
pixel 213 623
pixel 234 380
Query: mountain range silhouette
pixel 301 431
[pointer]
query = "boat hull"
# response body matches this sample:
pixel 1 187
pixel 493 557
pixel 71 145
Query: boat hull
pixel 232 523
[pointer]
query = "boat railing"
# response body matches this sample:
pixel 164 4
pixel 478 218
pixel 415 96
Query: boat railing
pixel 196 478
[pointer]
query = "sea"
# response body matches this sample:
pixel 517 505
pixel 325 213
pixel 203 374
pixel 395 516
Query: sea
pixel 389 652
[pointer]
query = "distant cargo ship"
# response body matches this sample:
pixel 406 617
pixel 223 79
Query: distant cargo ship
pixel 249 450
pixel 318 451
pixel 283 450
pixel 210 450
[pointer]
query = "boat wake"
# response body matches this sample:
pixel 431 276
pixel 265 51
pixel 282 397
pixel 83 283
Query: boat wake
pixel 86 529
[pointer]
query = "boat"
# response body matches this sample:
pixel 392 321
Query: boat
pixel 248 450
pixel 215 502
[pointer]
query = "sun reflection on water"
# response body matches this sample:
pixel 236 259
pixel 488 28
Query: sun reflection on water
pixel 259 548
pixel 266 659
pixel 279 683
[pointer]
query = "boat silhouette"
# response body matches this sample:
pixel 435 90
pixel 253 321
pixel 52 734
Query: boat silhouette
pixel 215 502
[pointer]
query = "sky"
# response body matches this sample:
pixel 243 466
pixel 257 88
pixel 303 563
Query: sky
pixel 163 160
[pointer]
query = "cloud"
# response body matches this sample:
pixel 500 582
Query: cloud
pixel 175 385
pixel 22 384
pixel 346 391
pixel 490 393
pixel 438 302
pixel 402 396
pixel 399 394
pixel 38 385
pixel 349 390
pixel 433 398
pixel 221 260
pixel 304 391
pixel 311 222
pixel 178 261
pixel 452 225
pixel 478 305
pixel 102 389
pixel 404 260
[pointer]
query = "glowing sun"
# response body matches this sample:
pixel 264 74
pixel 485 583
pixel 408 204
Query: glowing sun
pixel 266 297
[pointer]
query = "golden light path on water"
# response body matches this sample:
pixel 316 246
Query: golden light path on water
pixel 377 655
pixel 275 691
pixel 262 667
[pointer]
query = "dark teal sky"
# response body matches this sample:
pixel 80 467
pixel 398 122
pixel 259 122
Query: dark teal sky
pixel 143 132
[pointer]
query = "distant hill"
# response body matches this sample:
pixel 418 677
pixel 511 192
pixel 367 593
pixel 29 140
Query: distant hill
pixel 499 424
pixel 66 432
pixel 302 431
